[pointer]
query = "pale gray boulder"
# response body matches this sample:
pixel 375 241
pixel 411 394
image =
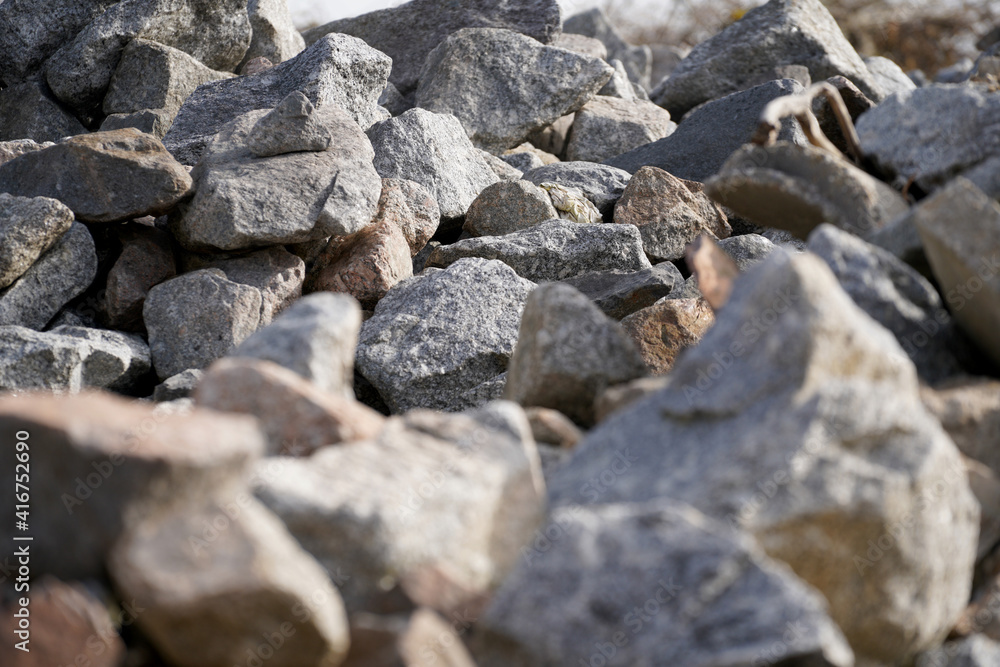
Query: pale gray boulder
pixel 274 35
pixel 116 360
pixel 606 127
pixel 637 60
pixel 28 227
pixel 290 127
pixel 508 206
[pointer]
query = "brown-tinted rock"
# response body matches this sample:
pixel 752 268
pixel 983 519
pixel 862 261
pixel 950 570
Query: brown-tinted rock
pixel 508 206
pixel 420 639
pixel 969 410
pixel 255 66
pixel 552 427
pixel 410 207
pixel 552 139
pixel 666 328
pixel 714 270
pixel 297 416
pixel 147 259
pixel 669 212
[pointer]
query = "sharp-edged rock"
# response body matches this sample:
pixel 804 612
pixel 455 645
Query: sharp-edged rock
pixel 28 227
pixel 606 127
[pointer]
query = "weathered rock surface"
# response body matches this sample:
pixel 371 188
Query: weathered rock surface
pixel 603 185
pixel 178 386
pixel 273 35
pixel 889 76
pixel 115 360
pixel 606 127
pixel 506 207
pixel 336 69
pixel 442 333
pixel 33 360
pixel 146 260
pixel 585 46
pixel 621 293
pixel 554 250
pixel 969 410
pixel 662 331
pixel 572 203
pixel 29 111
pixel 568 352
pixel 28 227
pixel 290 127
pixel 637 60
pixel 413 209
pixel 503 85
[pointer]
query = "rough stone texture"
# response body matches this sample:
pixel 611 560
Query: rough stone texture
pixel 178 386
pixel 568 352
pixel 959 227
pixel 654 584
pixel 585 46
pixel 637 60
pixel 315 337
pixel 61 274
pixel 408 33
pixel 895 296
pixel 196 318
pixel 413 209
pixel 607 126
pixel 782 32
pixel 336 69
pixel 554 250
pixel 101 464
pixel 986 176
pixel 669 212
pixel 28 111
pixel 835 452
pixel 12 149
pixel 710 134
pixel 102 177
pixel 442 333
pixel 665 329
pixel 889 76
pixel 310 195
pixel 503 85
pixel 146 260
pixel 28 227
pixel 619 86
pixel 969 410
pixel 621 293
pixel 603 185
pixel 297 417
pixel 209 595
pixel 290 127
pixel 365 512
pixel 508 206
pixel 365 265
pixel 33 360
pixel 972 651
pixel 798 188
pixel 274 36
pixel 393 101
pixel 115 361
pixel 932 134
pixel 151 121
pixel 215 32
pixel 572 203
pixel 552 139
pixel 432 150
pixel 504 170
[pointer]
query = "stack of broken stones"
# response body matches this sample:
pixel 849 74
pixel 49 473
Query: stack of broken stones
pixel 466 333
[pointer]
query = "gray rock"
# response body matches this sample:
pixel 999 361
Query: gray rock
pixel 28 111
pixel 895 296
pixel 606 127
pixel 552 139
pixel 197 318
pixel 481 394
pixel 503 169
pixel 595 23
pixel 146 260
pixel 60 275
pixel 956 73
pixel 832 456
pixel 437 335
pixel 567 353
pixel 315 337
pixel 116 360
pixel 972 651
pixel 33 360
pixel 370 513
pixel 780 33
pixel 986 176
pixel 18 147
pixel 215 32
pixel 82 171
pixel 619 86
pixel 178 386
pixel 666 58
pixel 748 249
pixel 653 584
pixel 336 69
pixel 393 101
pixel 554 250
pixel 290 127
pixel 503 85
pixel 151 121
pixel 411 31
pixel 523 162
pixel 889 76
pixel 311 195
pixel 508 206
pixel 28 228
pixel 585 46
pixel 901 238
pixel 274 36
pixel 621 293
pixel 931 134
pixel 432 150
pixel 603 185
pixel 710 134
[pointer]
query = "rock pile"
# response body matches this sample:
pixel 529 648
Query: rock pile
pixel 448 334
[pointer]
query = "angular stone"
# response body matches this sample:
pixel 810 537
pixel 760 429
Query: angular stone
pixel 619 86
pixel 393 101
pixel 407 640
pixel 607 126
pixel 336 69
pixel 28 228
pixel 196 318
pixel 585 46
pixel 969 410
pixel 434 151
pixel 146 260
pixel 889 76
pixel 782 32
pixel 115 361
pixel 670 213
pixel 29 111
pixel 503 85
pixel 360 511
pixel 274 36
pixel 442 333
pixel 32 360
pixel 315 337
pixel 567 353
pixel 60 275
pixel 595 23
pixel 798 188
pixel 662 331
pixel 178 386
pixel 290 127
pixel 603 185
pixel 508 206
pixel 214 32
pixel 409 206
pixel 102 177
pixel 503 169
pixel 150 121
pixel 310 195
pixel 901 238
pixel 554 250
pixel 101 464
pixel 409 32
pixel 552 139
pixel 827 410
pixel 12 149
pixel 209 596
pixel 657 583
pixel 621 293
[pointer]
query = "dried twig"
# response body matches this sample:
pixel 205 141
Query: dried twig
pixel 800 106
